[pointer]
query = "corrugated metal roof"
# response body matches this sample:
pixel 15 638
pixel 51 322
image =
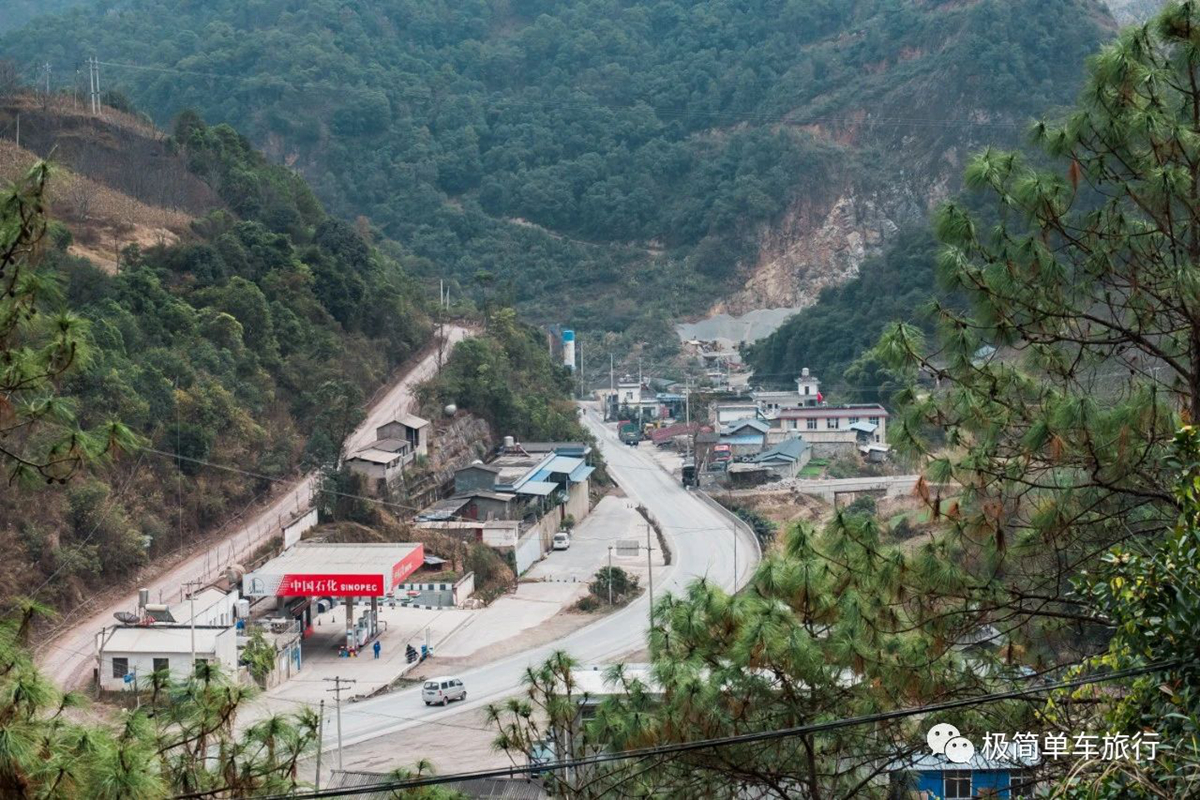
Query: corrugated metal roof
pixel 787 450
pixel 481 788
pixel 582 473
pixel 756 424
pixel 376 456
pixel 864 427
pixel 161 639
pixel 755 438
pixel 869 410
pixel 537 488
pixel 562 464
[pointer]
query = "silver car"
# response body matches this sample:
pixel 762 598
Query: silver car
pixel 442 690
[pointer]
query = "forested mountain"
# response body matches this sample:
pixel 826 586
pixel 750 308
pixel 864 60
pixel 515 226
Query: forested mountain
pixel 226 318
pixel 608 163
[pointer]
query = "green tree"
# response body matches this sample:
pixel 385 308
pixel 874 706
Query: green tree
pixel 1148 592
pixel 1081 276
pixel 39 344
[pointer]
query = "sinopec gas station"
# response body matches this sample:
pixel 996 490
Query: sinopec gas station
pixel 310 572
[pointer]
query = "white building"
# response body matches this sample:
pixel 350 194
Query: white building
pixel 829 429
pixel 398 443
pixel 129 653
pixel 212 607
pixel 807 394
pixel 728 413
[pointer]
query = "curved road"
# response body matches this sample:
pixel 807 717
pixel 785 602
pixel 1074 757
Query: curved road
pixel 68 656
pixel 701 542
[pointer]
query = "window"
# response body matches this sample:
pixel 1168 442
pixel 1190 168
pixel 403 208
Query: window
pixel 854 420
pixel 806 388
pixel 811 425
pixel 832 423
pixel 120 667
pixel 873 420
pixel 958 783
pixel 162 664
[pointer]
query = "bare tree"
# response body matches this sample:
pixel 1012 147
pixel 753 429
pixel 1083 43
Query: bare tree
pixel 10 79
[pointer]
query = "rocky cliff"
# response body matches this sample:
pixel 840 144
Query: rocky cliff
pixel 1127 12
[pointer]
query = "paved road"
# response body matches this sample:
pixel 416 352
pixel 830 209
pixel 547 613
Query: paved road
pixel 701 540
pixel 69 656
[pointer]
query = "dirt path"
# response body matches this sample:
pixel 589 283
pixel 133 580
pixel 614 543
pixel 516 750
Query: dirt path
pixel 67 656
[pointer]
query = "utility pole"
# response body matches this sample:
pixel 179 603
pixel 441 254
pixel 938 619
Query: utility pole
pixel 320 741
pixel 46 69
pixel 94 72
pixel 610 575
pixel 612 387
pixel 687 415
pixel 337 690
pixel 735 571
pixel 650 572
pixel 192 601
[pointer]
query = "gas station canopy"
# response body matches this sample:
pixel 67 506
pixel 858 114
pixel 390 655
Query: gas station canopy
pixel 311 569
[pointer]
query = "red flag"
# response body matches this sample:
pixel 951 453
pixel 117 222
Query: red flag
pixel 820 397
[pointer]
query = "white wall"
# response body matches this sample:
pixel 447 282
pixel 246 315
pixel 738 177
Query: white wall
pixel 528 551
pixel 225 653
pixel 219 613
pixel 293 532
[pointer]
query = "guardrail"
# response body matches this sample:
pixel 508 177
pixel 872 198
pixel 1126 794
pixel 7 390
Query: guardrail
pixel 737 522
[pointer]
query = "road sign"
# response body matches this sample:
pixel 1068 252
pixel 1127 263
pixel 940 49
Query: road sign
pixel 628 547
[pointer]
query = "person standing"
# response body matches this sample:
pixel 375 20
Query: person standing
pixel 377 648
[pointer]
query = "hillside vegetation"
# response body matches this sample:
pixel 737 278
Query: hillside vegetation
pixel 605 163
pixel 243 344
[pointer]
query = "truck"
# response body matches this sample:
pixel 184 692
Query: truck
pixel 629 433
pixel 689 474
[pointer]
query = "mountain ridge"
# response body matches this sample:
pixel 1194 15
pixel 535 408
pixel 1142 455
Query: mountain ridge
pixel 692 131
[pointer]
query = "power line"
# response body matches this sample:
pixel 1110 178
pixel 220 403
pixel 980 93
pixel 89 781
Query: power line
pixel 725 741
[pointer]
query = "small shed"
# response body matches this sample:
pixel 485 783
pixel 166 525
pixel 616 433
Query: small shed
pixel 410 428
pixel 786 459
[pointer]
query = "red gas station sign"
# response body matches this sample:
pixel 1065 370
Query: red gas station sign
pixel 331 586
pixel 408 565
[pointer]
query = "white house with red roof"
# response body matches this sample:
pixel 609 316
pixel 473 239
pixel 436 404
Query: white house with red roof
pixel 833 429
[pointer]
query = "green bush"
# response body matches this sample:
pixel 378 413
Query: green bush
pixel 623 585
pixel 862 505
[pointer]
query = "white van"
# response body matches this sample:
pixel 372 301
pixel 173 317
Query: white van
pixel 562 540
pixel 442 691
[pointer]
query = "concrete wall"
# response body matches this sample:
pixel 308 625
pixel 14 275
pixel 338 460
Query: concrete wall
pixel 831 449
pixel 293 532
pixel 528 551
pixel 219 613
pixel 486 508
pixel 472 479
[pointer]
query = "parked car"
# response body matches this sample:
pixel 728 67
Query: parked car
pixel 443 690
pixel 562 541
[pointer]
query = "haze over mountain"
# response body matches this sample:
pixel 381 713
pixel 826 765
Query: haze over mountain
pixel 609 164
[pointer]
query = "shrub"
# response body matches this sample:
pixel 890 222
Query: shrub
pixel 862 505
pixel 623 584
